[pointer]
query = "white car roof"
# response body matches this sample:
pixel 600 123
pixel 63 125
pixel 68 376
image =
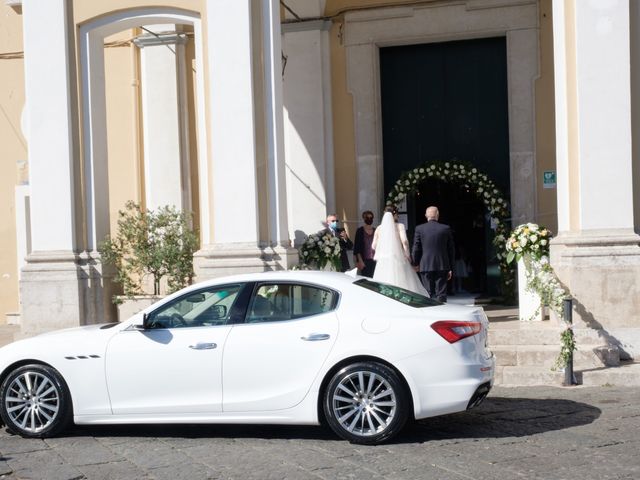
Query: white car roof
pixel 330 279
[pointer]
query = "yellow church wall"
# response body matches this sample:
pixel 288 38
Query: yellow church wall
pixel 84 10
pixel 547 212
pixel 123 134
pixel 343 135
pixel 13 152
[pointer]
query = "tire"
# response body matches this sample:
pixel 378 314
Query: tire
pixel 35 401
pixel 366 403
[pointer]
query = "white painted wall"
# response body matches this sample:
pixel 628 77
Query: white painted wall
pixel 232 133
pixel 165 155
pixel 604 109
pixel 308 127
pixel 50 124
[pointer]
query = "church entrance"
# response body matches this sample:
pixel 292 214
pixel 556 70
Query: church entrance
pixel 442 101
pixel 476 267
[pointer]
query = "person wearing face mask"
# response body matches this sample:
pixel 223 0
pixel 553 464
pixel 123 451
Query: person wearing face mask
pixel 362 246
pixel 345 242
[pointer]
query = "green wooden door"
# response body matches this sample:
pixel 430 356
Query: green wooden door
pixel 442 101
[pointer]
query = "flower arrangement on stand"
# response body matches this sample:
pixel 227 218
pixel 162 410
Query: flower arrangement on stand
pixel 529 243
pixel 320 252
pixel 477 182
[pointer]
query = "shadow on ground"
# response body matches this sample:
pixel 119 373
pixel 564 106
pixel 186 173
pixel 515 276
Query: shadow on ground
pixel 497 417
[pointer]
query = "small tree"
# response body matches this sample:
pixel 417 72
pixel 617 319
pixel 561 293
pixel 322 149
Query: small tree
pixel 159 243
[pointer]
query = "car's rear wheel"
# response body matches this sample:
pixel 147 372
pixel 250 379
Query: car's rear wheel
pixel 35 401
pixel 366 403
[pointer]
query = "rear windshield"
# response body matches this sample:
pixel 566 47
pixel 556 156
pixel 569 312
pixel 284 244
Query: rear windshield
pixel 398 294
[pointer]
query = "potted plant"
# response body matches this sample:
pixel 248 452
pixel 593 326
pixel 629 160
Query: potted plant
pixel 152 253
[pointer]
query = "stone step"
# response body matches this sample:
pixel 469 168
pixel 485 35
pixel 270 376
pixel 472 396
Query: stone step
pixel 546 355
pixel 542 336
pixel 526 376
pixel 627 374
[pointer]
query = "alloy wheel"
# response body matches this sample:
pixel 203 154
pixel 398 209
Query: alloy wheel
pixel 364 403
pixel 32 401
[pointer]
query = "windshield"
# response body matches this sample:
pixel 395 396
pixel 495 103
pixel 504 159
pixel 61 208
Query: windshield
pixel 398 294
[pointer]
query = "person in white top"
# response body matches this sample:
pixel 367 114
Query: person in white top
pixel 392 254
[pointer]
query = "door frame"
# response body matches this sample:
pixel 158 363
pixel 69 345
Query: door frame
pixel 366 31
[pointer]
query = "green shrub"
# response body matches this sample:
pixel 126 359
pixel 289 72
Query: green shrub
pixel 157 243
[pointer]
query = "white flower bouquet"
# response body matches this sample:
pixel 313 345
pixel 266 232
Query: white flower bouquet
pixel 319 251
pixel 528 239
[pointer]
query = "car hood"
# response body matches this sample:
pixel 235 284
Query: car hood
pixel 51 346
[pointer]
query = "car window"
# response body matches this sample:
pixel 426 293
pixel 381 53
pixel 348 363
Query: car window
pixel 202 308
pixel 274 302
pixel 401 295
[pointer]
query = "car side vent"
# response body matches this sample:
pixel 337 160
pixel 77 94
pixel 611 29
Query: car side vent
pixel 82 357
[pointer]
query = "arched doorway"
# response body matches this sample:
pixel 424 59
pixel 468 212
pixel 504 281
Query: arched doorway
pixel 476 210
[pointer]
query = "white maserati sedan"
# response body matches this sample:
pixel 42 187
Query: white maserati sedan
pixel 267 348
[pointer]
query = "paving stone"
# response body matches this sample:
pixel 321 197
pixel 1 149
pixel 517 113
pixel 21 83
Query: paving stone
pixel 83 450
pixel 541 433
pixel 43 464
pixel 114 471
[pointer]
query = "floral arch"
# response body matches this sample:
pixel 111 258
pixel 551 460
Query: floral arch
pixel 468 176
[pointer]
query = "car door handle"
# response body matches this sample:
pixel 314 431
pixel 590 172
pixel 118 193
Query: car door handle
pixel 203 346
pixel 315 337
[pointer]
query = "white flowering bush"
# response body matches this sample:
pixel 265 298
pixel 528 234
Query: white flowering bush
pixel 530 243
pixel 319 251
pixel 477 182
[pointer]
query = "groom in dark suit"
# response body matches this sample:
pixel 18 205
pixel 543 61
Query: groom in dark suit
pixel 433 254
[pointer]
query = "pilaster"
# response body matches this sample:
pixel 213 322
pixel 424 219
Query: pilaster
pixel 597 252
pixel 166 150
pixel 308 124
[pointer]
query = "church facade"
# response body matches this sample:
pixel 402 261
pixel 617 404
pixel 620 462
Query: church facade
pixel 261 117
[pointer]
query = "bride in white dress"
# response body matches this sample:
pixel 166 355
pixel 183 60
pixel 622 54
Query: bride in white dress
pixel 393 260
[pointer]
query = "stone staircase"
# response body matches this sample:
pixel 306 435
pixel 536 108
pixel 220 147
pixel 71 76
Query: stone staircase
pixel 526 352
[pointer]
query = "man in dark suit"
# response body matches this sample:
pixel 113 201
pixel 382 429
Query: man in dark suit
pixel 345 242
pixel 433 254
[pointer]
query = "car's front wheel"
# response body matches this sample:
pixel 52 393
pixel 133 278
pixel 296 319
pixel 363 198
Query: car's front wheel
pixel 366 403
pixel 35 401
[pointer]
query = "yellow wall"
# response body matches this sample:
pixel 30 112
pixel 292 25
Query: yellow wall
pixel 13 152
pixel 343 133
pixel 545 122
pixel 123 134
pixel 84 10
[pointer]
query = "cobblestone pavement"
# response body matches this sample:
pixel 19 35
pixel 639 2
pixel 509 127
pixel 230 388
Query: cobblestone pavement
pixel 529 432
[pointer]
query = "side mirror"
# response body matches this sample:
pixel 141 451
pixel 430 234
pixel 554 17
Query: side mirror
pixel 146 324
pixel 216 312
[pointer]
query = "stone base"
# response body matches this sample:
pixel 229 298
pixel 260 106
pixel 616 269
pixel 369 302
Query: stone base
pixel 602 271
pixel 61 290
pixel 217 260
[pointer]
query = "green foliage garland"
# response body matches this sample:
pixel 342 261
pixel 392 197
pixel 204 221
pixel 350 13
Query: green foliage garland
pixel 530 242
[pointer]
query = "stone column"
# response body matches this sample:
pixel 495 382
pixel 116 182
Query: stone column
pixel 280 243
pixel 54 283
pixel 597 252
pixel 308 124
pixel 166 151
pixel 234 244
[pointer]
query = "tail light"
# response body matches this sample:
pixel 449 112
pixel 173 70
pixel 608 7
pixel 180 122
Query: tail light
pixel 453 331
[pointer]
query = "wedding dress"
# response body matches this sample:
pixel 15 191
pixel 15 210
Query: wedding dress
pixel 392 256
